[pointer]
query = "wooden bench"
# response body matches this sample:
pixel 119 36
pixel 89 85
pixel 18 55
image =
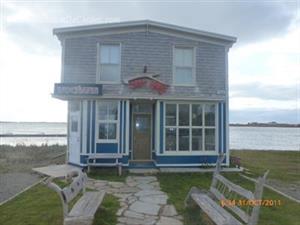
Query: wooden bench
pixel 83 211
pixel 224 194
pixel 91 160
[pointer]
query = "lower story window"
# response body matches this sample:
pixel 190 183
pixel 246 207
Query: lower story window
pixel 107 118
pixel 190 127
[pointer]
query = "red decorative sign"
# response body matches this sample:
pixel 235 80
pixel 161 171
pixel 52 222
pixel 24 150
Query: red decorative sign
pixel 148 82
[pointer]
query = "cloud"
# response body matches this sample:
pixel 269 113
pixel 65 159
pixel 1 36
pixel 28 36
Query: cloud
pixel 264 64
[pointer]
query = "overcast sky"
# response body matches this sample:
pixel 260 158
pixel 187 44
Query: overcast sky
pixel 264 65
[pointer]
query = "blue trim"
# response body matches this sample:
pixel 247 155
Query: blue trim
pixel 81 124
pixel 153 126
pixel 93 126
pixel 193 159
pixel 120 125
pixel 83 159
pixel 88 127
pixel 161 138
pixel 106 148
pixel 124 128
pixel 219 127
pixel 224 128
pixel 130 126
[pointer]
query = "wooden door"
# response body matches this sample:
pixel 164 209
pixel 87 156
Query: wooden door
pixel 142 136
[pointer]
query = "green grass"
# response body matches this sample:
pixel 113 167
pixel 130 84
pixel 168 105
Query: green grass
pixel 110 174
pixel 178 185
pixel 41 206
pixel 283 165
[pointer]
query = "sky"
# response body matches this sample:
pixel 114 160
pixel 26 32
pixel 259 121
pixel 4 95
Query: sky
pixel 264 64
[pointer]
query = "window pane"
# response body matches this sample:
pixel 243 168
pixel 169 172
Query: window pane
pixel 109 72
pixel 178 57
pixel 184 139
pixel 183 75
pixel 184 114
pixel 102 131
pixel 74 126
pixel 196 115
pixel 209 115
pixel 111 131
pixel 170 139
pixel 104 54
pixel 184 57
pixel 112 111
pixel 115 54
pixel 102 111
pixel 188 57
pixel 196 139
pixel 171 114
pixel 209 139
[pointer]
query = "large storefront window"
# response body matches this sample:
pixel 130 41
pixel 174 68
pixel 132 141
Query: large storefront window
pixel 190 127
pixel 107 117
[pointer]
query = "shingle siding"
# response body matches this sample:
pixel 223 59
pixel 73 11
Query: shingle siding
pixel 154 50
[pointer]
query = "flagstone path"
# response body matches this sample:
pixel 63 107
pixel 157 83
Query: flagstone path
pixel 141 200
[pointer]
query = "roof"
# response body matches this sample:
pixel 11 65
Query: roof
pixel 145 24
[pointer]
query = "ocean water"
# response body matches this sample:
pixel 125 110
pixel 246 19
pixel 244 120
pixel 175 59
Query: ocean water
pixel 251 138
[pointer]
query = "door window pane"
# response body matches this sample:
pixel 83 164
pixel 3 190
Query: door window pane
pixel 196 115
pixel 74 126
pixel 184 139
pixel 209 115
pixel 209 139
pixel 171 114
pixel 184 114
pixel 196 139
pixel 170 139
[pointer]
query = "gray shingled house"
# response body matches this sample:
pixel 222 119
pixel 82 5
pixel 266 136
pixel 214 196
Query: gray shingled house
pixel 152 93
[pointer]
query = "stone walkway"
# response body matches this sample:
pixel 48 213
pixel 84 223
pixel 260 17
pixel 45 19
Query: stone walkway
pixel 141 200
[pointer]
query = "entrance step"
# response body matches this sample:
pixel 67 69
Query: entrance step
pixel 141 164
pixel 144 170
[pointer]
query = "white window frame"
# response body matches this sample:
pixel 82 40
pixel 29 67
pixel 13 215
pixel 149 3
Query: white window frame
pixel 193 67
pixel 98 121
pixel 98 75
pixel 190 127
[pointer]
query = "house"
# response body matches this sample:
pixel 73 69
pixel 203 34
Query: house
pixel 154 92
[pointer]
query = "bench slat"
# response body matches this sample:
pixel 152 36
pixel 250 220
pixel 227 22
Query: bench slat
pixel 219 215
pixel 71 191
pixel 87 205
pixel 105 156
pixel 238 189
pixel 243 215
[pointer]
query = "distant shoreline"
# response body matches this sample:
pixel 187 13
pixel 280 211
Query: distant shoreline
pixel 265 125
pixel 250 124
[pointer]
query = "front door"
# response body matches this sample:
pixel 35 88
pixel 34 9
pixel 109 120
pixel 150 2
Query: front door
pixel 74 133
pixel 142 136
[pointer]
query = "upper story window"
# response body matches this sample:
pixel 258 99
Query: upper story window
pixel 109 63
pixel 184 66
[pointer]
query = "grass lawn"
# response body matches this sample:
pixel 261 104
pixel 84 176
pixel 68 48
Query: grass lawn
pixel 283 165
pixel 41 206
pixel 110 174
pixel 178 185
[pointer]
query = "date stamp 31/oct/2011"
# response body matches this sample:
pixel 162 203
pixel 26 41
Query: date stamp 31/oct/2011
pixel 250 202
